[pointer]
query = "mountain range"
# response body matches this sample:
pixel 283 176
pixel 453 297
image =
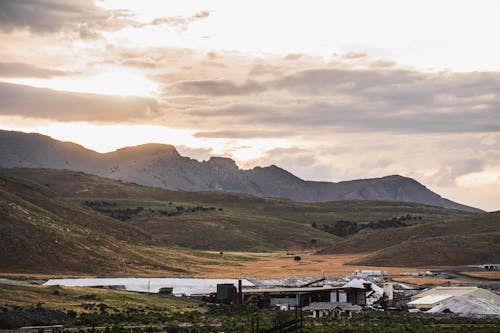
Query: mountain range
pixel 161 165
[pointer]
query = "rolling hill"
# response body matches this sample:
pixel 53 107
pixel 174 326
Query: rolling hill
pixel 162 166
pixel 66 221
pixel 474 239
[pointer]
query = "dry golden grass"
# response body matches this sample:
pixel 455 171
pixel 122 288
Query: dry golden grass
pixel 243 264
pixel 279 264
pixel 495 275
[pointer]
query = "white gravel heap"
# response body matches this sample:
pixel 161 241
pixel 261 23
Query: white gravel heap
pixel 467 305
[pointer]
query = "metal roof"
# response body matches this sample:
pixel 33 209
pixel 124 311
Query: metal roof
pixel 430 299
pixel 286 290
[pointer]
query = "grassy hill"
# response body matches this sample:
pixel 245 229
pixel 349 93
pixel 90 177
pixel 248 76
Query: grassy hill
pixel 473 239
pixel 66 221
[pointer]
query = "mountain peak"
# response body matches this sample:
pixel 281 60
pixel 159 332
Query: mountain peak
pixel 149 149
pixel 223 162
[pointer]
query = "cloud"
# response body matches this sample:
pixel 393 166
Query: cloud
pixel 179 22
pixel 24 101
pixel 293 56
pixel 244 134
pixel 325 117
pixel 305 163
pixel 21 70
pixel 199 154
pixel 354 55
pixel 216 87
pixel 49 15
pixel 80 16
pixel 323 99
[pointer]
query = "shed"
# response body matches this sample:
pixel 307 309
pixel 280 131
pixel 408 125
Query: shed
pixel 355 292
pixel 332 309
pixel 291 297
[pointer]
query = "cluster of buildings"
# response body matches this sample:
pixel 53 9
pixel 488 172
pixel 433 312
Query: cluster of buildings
pixel 320 297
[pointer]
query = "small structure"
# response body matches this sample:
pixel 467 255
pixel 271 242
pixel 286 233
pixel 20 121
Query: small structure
pixel 165 291
pixel 332 309
pixel 369 273
pixel 432 297
pixel 226 293
pixel 388 291
pixel 491 267
pixel 356 291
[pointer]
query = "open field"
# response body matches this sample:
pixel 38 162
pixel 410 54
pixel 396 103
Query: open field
pixel 238 264
pixel 241 264
pixel 495 275
pixel 282 265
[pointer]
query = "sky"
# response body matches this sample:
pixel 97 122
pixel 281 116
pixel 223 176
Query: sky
pixel 329 90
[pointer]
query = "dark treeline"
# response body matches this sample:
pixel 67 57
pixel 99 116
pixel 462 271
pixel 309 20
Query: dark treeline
pixel 343 228
pixel 111 209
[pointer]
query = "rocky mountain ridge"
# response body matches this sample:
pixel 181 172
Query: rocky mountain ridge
pixel 161 165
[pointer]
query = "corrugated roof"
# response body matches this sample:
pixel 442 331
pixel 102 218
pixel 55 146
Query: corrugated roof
pixel 453 291
pixel 430 299
pixel 285 290
pixel 458 291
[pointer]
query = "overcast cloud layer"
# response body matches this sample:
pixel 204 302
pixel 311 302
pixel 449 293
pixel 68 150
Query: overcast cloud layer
pixel 353 114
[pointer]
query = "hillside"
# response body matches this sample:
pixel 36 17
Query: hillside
pixel 162 166
pixel 474 239
pixel 66 221
pixel 40 232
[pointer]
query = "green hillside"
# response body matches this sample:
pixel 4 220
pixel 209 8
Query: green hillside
pixel 41 232
pixel 66 221
pixel 474 239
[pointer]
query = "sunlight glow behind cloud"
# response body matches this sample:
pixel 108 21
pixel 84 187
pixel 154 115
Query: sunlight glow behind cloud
pixel 110 82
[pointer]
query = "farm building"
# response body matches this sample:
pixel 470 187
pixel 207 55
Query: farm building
pixel 491 267
pixel 356 291
pixel 286 298
pixel 332 309
pixel 430 298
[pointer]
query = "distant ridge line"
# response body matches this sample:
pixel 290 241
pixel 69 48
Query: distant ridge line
pixel 161 165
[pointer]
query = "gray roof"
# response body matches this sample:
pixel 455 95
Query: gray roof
pixel 285 290
pixel 332 306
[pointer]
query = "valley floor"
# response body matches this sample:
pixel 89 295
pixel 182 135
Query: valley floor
pixel 210 264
